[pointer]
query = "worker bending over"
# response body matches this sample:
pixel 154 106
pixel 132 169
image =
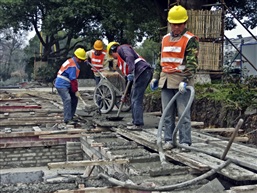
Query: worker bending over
pixel 138 71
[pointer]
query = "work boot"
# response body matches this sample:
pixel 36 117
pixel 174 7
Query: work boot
pixel 75 119
pixel 168 145
pixel 135 128
pixel 130 123
pixel 71 122
pixel 185 149
pixel 62 126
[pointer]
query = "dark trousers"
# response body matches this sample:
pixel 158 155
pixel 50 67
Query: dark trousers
pixel 137 96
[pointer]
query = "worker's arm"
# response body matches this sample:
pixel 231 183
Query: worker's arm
pixel 71 71
pixel 157 70
pixel 191 57
pixel 89 56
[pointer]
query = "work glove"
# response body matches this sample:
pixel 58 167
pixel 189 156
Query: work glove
pixel 130 77
pixel 182 87
pixel 77 94
pixel 154 84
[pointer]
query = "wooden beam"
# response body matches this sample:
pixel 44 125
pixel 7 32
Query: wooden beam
pixel 72 131
pixel 16 134
pixel 36 128
pixel 100 190
pixel 220 130
pixel 29 144
pixel 59 136
pixel 72 164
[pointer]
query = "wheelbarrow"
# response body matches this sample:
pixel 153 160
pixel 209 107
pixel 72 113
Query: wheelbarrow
pixel 107 95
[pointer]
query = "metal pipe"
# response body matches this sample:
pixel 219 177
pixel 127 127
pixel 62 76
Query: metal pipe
pixel 238 126
pixel 238 20
pixel 240 53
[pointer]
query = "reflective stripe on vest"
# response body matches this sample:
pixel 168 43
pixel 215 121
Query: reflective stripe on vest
pixel 63 77
pixel 138 59
pixel 173 52
pixel 97 61
pixel 68 63
pixel 123 66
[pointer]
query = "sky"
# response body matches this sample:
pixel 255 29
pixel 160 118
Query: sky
pixel 240 30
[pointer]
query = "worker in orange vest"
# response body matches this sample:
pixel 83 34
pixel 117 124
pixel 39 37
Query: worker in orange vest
pixel 176 70
pixel 98 59
pixel 67 85
pixel 139 71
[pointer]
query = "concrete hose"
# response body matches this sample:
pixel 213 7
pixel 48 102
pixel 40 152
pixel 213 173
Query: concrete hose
pixel 160 126
pixel 131 185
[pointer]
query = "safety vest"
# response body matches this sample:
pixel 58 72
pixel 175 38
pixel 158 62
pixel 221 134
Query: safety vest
pixel 122 65
pixel 98 61
pixel 173 53
pixel 67 64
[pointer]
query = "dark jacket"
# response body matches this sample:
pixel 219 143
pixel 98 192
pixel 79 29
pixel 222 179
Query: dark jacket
pixel 129 55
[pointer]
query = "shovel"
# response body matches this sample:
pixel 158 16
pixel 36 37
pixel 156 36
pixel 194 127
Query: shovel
pixel 88 108
pixel 118 118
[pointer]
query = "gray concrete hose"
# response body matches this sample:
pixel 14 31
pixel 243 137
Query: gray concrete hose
pixel 131 185
pixel 159 133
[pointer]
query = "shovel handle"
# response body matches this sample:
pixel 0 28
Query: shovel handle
pixel 123 97
pixel 83 101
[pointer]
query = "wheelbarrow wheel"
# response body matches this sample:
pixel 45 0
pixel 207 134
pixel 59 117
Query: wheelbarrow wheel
pixel 104 97
pixel 126 105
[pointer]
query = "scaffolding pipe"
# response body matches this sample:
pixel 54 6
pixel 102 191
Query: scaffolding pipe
pixel 241 53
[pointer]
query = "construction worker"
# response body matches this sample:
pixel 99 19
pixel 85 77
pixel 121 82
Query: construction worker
pixel 176 70
pixel 67 85
pixel 97 57
pixel 139 71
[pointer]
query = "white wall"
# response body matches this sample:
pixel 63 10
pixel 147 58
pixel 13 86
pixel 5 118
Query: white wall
pixel 250 52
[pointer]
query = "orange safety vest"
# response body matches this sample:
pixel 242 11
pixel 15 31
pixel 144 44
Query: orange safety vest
pixel 68 63
pixel 173 53
pixel 122 65
pixel 97 61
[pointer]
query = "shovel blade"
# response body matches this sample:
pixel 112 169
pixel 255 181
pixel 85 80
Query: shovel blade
pixel 117 118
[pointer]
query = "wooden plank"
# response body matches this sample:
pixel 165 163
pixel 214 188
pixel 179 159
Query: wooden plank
pixel 59 136
pixel 101 190
pixel 71 131
pixel 215 141
pixel 16 134
pixel 240 158
pixel 232 171
pixel 139 137
pixel 243 189
pixel 72 164
pixel 220 130
pixel 29 144
pixel 28 123
pixel 36 128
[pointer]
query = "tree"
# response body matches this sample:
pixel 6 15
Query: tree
pixel 10 54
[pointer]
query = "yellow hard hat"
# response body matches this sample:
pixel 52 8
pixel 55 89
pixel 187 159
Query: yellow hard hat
pixel 111 47
pixel 80 53
pixel 177 14
pixel 98 45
